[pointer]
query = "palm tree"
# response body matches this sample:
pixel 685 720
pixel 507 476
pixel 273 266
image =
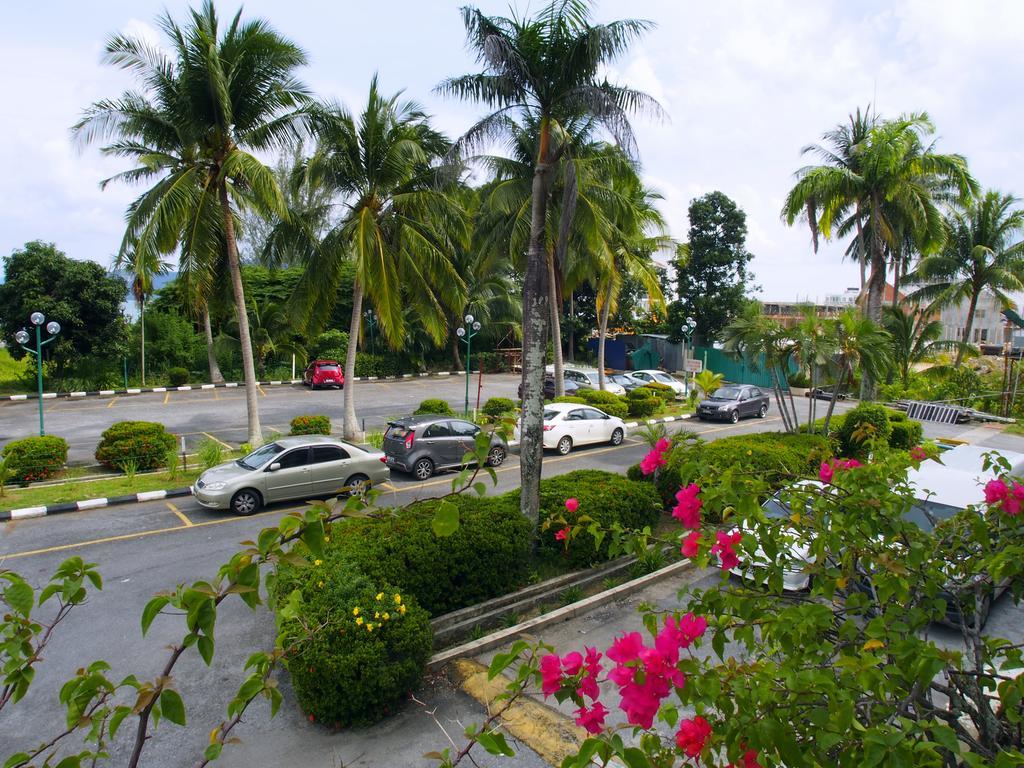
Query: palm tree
pixel 916 337
pixel 551 66
pixel 398 225
pixel 226 93
pixel 984 252
pixel 857 343
pixel 142 266
pixel 812 348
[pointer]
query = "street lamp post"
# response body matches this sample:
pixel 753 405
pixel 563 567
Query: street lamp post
pixel 22 337
pixel 467 333
pixel 689 326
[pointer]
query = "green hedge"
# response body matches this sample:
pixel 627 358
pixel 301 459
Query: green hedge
pixel 140 445
pixel 570 399
pixel 900 432
pixel 664 391
pixel 905 434
pixel 610 403
pixel 311 424
pixel 178 376
pixel 34 458
pixel 360 666
pixel 435 405
pixel 854 433
pixel 379 365
pixel 607 498
pixel 642 407
pixel 484 558
pixel 496 407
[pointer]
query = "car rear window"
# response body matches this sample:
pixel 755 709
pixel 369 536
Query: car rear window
pixel 549 415
pixel 329 367
pixel 397 432
pixel 924 510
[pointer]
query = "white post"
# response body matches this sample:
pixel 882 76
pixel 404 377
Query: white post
pixel 293 366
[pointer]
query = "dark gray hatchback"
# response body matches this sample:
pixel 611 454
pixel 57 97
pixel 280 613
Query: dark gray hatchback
pixel 423 444
pixel 733 403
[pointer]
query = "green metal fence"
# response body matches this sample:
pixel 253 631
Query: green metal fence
pixel 743 371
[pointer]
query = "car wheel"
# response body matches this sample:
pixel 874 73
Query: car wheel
pixel 763 412
pixel 246 502
pixel 734 415
pixel 423 469
pixel 357 485
pixel 564 446
pixel 496 456
pixel 617 436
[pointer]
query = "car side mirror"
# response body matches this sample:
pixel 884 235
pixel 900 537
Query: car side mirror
pixel 274 467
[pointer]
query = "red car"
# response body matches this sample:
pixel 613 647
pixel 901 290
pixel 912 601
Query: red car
pixel 323 373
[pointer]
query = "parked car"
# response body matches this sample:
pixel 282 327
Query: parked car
pixel 571 388
pixel 942 490
pixel 323 373
pixel 626 380
pixel 306 467
pixel 567 425
pixel 421 445
pixel 734 403
pixel 825 393
pixel 587 378
pixel 660 377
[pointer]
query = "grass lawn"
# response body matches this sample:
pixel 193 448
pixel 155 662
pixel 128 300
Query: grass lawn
pixel 1015 429
pixel 118 485
pixel 11 371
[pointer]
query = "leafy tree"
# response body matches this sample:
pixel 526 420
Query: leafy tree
pixel 80 295
pixel 916 337
pixel 552 67
pixel 228 93
pixel 984 252
pixel 711 267
pixel 172 340
pixel 857 342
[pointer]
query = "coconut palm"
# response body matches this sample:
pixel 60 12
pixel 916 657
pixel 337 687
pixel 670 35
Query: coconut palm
pixel 858 343
pixel 984 252
pixel 708 381
pixel 397 225
pixel 228 92
pixel 141 266
pixel 813 347
pixel 916 338
pixel 552 66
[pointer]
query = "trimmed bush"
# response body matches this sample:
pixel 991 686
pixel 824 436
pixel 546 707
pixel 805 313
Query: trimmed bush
pixel 34 458
pixel 311 424
pixel 664 391
pixel 178 376
pixel 865 422
pixel 570 399
pixel 484 558
pixel 497 407
pixel 644 407
pixel 379 365
pixel 610 403
pixel 603 496
pixel 895 416
pixel 134 445
pixel 329 345
pixel 371 651
pixel 905 434
pixel 435 405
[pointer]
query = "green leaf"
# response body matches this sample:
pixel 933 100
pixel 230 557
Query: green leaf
pixel 120 713
pixel 446 519
pixel 153 607
pixel 494 742
pixel 72 761
pixel 20 597
pixel 19 758
pixel 213 751
pixel 173 707
pixel 205 646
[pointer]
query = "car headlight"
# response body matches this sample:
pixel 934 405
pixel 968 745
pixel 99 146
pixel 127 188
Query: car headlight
pixel 215 486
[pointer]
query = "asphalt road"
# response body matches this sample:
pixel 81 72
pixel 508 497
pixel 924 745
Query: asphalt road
pixel 220 413
pixel 145 548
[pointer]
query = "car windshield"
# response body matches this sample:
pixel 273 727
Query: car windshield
pixel 727 393
pixel 549 415
pixel 663 377
pixel 618 378
pixel 260 456
pixel 925 511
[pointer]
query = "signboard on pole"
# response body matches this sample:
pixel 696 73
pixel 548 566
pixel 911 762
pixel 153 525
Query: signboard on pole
pixel 693 366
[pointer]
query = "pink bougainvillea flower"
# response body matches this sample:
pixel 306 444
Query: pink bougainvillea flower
pixel 626 648
pixel 563 534
pixel 691 627
pixel 572 505
pixel 917 453
pixel 592 719
pixel 652 461
pixel 572 663
pixel 691 544
pixel 826 472
pixel 640 702
pixel 995 491
pixel 1018 491
pixel 1011 505
pixel 550 674
pixel 662 445
pixel 693 735
pixel 592 666
pixel 749 760
pixel 724 548
pixel 687 509
pixel 849 464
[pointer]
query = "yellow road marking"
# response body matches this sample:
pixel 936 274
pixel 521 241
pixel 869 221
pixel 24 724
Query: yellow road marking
pixel 261 390
pixel 179 514
pixel 167 397
pixel 111 402
pixel 217 441
pixel 216 396
pixel 387 486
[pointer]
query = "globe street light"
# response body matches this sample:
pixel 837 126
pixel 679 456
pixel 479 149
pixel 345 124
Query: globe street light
pixel 467 333
pixel 22 337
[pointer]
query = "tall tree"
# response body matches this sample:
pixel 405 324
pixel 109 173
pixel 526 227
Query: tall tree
pixel 712 269
pixel 984 252
pixel 228 93
pixel 141 266
pixel 553 66
pixel 916 338
pixel 397 225
pixel 858 343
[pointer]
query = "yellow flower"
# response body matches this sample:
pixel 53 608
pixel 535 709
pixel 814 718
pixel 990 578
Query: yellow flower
pixel 317 562
pixel 398 599
pixel 359 620
pixel 355 611
pixel 380 595
pixel 401 609
pixel 387 616
pixel 327 538
pixel 376 614
pixel 320 584
pixel 369 627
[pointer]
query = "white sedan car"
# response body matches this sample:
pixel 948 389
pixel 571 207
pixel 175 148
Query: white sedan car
pixel 568 424
pixel 660 377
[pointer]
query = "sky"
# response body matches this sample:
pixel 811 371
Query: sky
pixel 745 85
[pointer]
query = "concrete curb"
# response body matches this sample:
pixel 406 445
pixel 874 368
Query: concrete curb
pixel 78 506
pixel 222 385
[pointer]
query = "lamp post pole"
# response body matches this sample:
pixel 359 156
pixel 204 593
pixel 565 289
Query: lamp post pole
pixel 22 337
pixel 689 325
pixel 466 334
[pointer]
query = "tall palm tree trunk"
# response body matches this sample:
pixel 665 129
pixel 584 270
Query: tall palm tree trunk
pixel 780 399
pixel 350 428
pixel 556 328
pixel 968 326
pixel 216 377
pixel 453 345
pixel 142 337
pixel 876 291
pixel 602 335
pixel 897 274
pixel 535 327
pixel 832 403
pixel 248 367
pixel 570 347
pixel 861 255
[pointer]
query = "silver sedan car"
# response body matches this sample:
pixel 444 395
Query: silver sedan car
pixel 306 467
